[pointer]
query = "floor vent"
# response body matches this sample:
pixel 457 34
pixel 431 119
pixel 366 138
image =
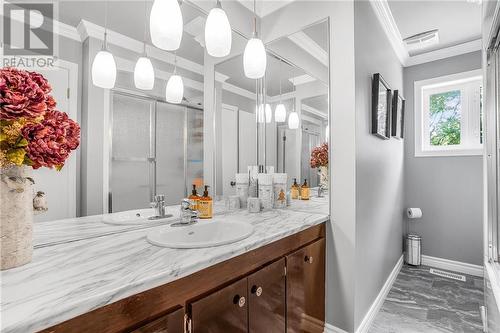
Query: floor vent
pixel 446 274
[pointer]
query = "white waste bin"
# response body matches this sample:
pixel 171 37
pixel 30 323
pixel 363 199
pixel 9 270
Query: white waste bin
pixel 413 250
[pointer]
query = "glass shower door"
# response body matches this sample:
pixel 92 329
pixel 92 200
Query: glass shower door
pixel 132 153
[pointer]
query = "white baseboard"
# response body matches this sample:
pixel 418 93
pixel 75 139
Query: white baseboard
pixel 451 265
pixel 377 303
pixel 333 329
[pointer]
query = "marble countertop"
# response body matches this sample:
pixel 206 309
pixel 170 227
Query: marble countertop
pixel 72 276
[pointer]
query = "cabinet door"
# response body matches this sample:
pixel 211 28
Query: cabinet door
pixel 170 323
pixel 225 310
pixel 305 291
pixel 266 299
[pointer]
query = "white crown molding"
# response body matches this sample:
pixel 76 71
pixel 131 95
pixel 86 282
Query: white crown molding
pixel 314 111
pixel 128 66
pixel 237 90
pixel 66 30
pixel 379 301
pixel 384 15
pixel 265 7
pixel 302 40
pixel 451 265
pixel 301 79
pixel 444 53
pixel 329 328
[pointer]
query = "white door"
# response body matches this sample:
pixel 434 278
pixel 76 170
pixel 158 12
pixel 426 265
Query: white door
pixel 229 149
pixel 59 186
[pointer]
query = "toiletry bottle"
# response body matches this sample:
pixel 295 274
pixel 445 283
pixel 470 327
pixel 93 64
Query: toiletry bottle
pixel 295 189
pixel 193 199
pixel 304 191
pixel 205 205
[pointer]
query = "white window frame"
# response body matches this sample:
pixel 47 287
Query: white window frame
pixel 469 84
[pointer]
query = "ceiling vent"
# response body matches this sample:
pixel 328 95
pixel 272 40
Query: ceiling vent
pixel 422 40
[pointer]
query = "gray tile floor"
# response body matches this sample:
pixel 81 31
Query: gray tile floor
pixel 425 303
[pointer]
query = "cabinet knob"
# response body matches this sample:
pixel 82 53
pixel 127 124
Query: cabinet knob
pixel 256 290
pixel 308 259
pixel 240 300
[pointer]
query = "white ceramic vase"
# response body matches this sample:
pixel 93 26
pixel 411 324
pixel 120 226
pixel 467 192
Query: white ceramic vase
pixel 16 216
pixel 323 177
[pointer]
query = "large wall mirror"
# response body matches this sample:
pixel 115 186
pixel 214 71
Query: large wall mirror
pixel 250 131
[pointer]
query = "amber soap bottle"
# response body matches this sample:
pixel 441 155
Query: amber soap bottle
pixel 305 191
pixel 194 198
pixel 294 190
pixel 205 205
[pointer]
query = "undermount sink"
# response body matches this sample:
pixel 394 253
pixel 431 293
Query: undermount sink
pixel 202 234
pixel 134 217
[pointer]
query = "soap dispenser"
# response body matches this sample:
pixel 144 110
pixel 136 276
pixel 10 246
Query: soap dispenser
pixel 205 205
pixel 194 198
pixel 294 190
pixel 304 191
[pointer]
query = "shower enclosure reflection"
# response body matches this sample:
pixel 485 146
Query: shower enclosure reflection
pixel 160 144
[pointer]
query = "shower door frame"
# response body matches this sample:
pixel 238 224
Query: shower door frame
pixel 151 159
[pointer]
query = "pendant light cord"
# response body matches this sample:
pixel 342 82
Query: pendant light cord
pixel 280 82
pixel 145 26
pixel 105 43
pixel 175 62
pixel 254 19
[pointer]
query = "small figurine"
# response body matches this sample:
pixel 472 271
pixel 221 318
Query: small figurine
pixel 40 202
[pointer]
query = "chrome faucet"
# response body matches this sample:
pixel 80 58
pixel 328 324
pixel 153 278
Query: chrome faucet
pixel 160 208
pixel 188 215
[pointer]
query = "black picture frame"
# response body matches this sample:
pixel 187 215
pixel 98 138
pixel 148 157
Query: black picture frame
pixel 398 115
pixel 381 107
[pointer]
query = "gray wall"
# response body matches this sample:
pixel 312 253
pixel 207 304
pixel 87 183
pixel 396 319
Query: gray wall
pixel 379 166
pixel 448 189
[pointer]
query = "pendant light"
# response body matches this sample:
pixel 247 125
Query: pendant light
pixel 166 24
pixel 175 87
pixel 254 57
pixel 104 66
pixel 269 113
pixel 293 118
pixel 218 32
pixel 144 74
pixel 280 112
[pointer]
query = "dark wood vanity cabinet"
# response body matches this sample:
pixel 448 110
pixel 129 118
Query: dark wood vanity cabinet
pixel 172 322
pixel 225 310
pixel 277 288
pixel 267 299
pixel 305 285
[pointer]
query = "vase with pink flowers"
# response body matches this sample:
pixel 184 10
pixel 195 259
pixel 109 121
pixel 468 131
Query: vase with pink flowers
pixel 33 134
pixel 319 159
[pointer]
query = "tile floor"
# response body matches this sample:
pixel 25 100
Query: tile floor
pixel 425 303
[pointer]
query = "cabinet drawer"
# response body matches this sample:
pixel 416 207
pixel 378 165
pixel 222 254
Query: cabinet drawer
pixel 170 323
pixel 305 283
pixel 225 310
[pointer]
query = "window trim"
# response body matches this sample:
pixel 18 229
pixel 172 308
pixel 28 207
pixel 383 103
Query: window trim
pixel 422 150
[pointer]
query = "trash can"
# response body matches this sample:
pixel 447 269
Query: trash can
pixel 413 249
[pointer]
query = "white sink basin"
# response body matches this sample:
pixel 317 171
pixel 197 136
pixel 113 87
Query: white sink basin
pixel 135 217
pixel 202 234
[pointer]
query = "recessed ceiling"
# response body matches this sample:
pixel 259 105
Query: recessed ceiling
pixel 458 22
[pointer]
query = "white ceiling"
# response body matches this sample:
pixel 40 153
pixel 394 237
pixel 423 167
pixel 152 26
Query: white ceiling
pixel 265 7
pixel 458 21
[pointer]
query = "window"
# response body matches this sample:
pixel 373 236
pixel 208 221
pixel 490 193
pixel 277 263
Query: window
pixel 448 116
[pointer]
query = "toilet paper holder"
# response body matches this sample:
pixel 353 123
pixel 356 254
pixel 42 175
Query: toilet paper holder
pixel 414 213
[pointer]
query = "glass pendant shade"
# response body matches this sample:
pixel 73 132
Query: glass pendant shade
pixel 280 113
pixel 218 33
pixel 293 120
pixel 175 89
pixel 104 70
pixel 254 59
pixel 269 113
pixel 166 24
pixel 144 75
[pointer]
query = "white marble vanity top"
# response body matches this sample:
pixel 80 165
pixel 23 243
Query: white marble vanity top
pixel 67 279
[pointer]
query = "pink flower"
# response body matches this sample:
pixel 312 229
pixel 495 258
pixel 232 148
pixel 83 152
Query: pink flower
pixel 24 94
pixel 51 141
pixel 319 156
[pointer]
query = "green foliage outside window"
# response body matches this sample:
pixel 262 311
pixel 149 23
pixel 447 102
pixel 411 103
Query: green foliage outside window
pixel 444 118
